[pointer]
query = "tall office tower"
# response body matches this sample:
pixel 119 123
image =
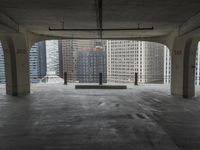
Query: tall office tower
pixel 152 63
pixel 37 62
pixel 91 61
pixel 90 64
pixel 69 50
pixel 197 71
pixel 2 66
pixel 52 57
pixel 60 54
pixel 78 52
pixel 42 59
pixel 125 58
pixel 167 66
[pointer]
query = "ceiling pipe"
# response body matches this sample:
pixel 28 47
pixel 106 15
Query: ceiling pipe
pixel 97 30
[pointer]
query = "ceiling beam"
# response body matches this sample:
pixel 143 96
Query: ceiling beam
pixel 192 24
pixel 99 16
pixel 7 24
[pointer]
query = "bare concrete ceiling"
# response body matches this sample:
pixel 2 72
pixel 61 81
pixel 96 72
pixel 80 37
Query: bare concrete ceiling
pixel 38 15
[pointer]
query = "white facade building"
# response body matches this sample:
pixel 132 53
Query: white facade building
pixel 52 57
pixel 197 73
pixel 125 58
pixel 167 66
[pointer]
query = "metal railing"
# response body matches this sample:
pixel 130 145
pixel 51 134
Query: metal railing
pixel 117 78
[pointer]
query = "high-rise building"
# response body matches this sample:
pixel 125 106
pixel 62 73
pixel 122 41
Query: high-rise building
pixel 152 63
pixel 52 57
pixel 69 50
pixel 197 71
pixel 125 58
pixel 37 62
pixel 167 66
pixel 2 66
pixel 91 64
pixel 84 59
pixel 42 59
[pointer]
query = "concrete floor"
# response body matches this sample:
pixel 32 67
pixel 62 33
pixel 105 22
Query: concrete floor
pixel 59 117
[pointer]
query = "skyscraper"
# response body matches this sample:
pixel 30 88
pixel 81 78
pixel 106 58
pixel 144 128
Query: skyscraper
pixel 167 66
pixel 52 57
pixel 197 71
pixel 37 62
pixel 125 58
pixel 2 66
pixel 42 59
pixel 84 59
pixel 69 58
pixel 152 63
pixel 90 64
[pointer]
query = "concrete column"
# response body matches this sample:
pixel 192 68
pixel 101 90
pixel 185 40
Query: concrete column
pixel 183 67
pixel 16 56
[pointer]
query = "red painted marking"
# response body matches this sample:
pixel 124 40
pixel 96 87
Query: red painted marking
pixel 6 50
pixel 179 52
pixel 21 51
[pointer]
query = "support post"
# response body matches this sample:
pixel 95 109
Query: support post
pixel 136 78
pixel 100 78
pixel 183 67
pixel 16 52
pixel 65 78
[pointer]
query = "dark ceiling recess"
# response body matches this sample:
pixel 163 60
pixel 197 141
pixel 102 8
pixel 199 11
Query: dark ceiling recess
pixel 99 20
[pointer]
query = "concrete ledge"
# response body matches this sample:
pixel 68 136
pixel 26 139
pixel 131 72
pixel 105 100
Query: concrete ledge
pixel 100 87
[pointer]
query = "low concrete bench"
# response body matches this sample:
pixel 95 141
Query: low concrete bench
pixel 100 87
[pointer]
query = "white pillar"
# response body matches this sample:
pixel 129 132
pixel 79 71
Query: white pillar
pixel 183 67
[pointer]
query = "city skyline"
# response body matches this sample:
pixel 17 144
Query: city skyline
pixel 166 62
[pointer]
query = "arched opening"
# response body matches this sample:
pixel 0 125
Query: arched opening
pixel 118 60
pixel 82 60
